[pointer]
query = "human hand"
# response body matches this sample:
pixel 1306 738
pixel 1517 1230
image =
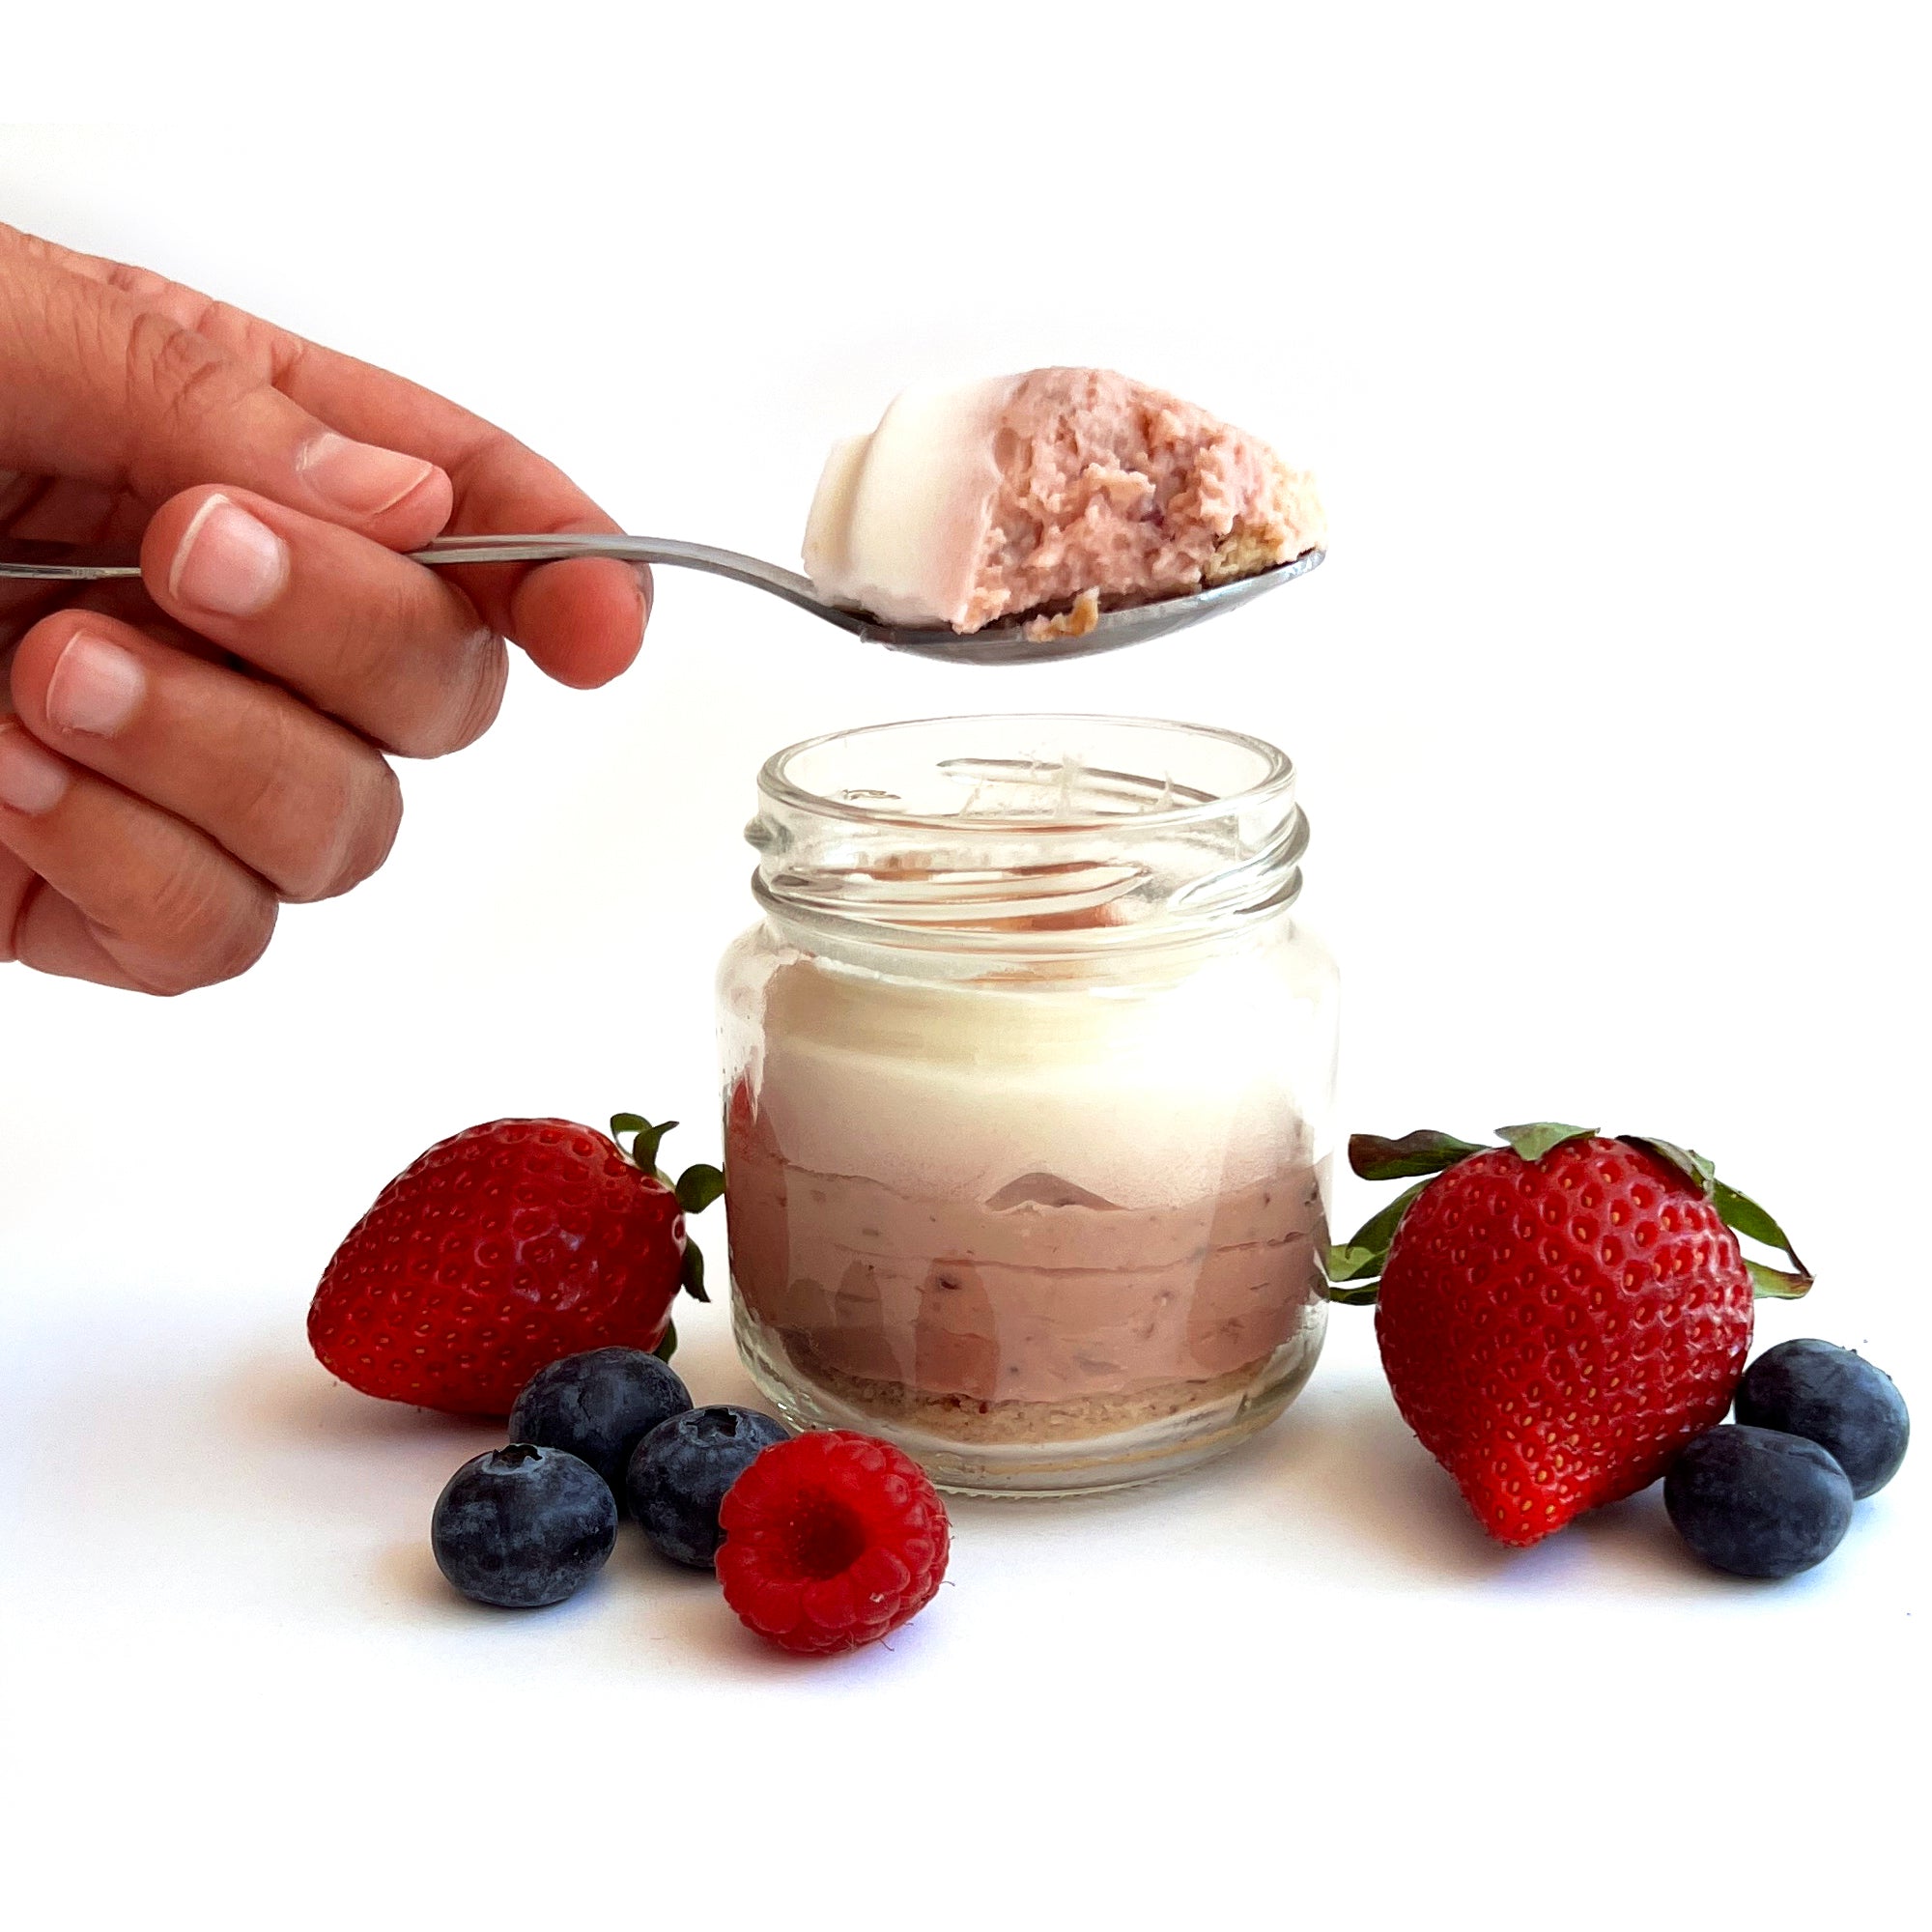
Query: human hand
pixel 183 754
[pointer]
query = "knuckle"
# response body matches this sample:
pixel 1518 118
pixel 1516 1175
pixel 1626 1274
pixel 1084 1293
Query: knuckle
pixel 353 815
pixel 202 930
pixel 143 284
pixel 293 803
pixel 489 673
pixel 324 815
pixel 16 898
pixel 175 371
pixel 258 793
pixel 465 698
pixel 258 346
pixel 376 825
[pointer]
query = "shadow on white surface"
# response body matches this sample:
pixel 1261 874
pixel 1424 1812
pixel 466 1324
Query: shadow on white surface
pixel 408 1576
pixel 294 1497
pixel 287 1396
pixel 1347 1464
pixel 1339 1494
pixel 407 1573
pixel 1339 1485
pixel 369 1471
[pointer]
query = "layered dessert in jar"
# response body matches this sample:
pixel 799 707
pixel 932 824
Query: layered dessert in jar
pixel 1029 1069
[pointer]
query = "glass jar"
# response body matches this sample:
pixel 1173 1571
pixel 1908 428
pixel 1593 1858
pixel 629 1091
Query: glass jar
pixel 1029 1070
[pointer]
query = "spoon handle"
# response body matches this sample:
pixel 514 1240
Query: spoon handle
pixel 61 563
pixel 734 564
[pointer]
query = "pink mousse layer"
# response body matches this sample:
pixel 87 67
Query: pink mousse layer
pixel 1041 1293
pixel 1108 486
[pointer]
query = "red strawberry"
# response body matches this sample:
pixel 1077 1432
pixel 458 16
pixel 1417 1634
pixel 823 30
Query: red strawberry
pixel 500 1250
pixel 1560 1316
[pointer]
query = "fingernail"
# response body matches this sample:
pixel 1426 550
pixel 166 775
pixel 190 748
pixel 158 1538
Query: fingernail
pixel 31 781
pixel 358 476
pixel 229 563
pixel 96 687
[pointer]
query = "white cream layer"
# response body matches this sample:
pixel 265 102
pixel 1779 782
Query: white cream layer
pixel 1140 1095
pixel 899 517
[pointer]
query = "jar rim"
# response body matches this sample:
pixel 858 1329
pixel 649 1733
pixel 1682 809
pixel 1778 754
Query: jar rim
pixel 1277 777
pixel 1028 836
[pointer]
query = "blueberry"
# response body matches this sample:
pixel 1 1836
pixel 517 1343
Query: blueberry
pixel 1757 1502
pixel 1837 1400
pixel 682 1468
pixel 599 1405
pixel 523 1527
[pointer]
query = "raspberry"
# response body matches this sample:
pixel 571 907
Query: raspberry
pixel 830 1540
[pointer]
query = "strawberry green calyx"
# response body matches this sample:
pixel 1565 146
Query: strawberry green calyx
pixel 1424 1152
pixel 645 1142
pixel 699 1186
pixel 1696 1168
pixel 1354 1266
pixel 1355 1269
pixel 695 1188
pixel 1536 1138
pixel 1740 1213
pixel 691 1277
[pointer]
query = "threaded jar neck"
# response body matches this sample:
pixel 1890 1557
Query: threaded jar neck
pixel 1026 837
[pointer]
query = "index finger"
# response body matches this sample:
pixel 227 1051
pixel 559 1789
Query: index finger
pixel 581 621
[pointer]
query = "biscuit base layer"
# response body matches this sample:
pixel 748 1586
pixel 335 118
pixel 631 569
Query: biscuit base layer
pixel 965 1418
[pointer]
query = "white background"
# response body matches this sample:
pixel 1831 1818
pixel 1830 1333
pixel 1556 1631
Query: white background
pixel 1606 330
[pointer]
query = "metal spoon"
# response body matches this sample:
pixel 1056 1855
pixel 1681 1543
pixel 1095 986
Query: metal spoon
pixel 997 643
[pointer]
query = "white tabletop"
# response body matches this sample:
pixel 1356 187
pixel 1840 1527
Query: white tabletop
pixel 1607 706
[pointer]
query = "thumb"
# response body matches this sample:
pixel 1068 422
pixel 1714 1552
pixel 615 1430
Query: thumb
pixel 103 386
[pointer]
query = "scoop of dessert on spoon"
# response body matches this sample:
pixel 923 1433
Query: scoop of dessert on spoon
pixel 1031 639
